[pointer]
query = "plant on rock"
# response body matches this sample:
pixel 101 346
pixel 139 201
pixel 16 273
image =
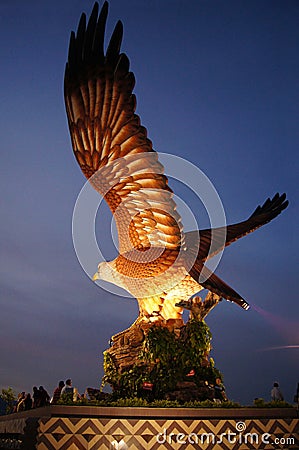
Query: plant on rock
pixel 169 362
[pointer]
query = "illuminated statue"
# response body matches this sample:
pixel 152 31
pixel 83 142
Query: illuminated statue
pixel 107 137
pixel 158 263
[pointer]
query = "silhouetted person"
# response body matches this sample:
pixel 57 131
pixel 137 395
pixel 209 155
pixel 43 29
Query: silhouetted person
pixel 20 404
pixel 36 397
pixel 276 394
pixel 28 402
pixel 57 393
pixel 44 397
pixel 296 396
pixel 219 391
pixel 71 391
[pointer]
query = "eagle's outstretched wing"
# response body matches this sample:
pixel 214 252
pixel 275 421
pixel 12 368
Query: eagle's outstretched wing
pixel 110 144
pixel 115 154
pixel 214 240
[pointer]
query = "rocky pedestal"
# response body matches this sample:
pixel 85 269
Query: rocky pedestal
pixel 127 345
pixel 169 358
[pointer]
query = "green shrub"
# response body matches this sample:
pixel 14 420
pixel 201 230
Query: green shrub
pixel 260 403
pixel 165 359
pixel 137 402
pixel 9 398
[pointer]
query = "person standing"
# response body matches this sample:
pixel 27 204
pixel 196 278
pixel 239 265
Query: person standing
pixel 57 393
pixel 296 396
pixel 36 397
pixel 219 390
pixel 68 388
pixel 28 402
pixel 276 394
pixel 44 397
pixel 71 391
pixel 20 405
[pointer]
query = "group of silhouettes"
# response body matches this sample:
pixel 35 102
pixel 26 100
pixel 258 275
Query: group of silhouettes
pixel 40 396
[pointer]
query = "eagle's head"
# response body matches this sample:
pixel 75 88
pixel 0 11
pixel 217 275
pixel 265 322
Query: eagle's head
pixel 105 272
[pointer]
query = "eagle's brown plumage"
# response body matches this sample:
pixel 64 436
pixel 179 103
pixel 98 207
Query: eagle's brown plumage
pixel 157 262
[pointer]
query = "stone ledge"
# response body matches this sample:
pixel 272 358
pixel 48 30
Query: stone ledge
pixel 107 411
pixel 100 428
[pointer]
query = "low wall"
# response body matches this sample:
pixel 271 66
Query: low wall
pixel 93 428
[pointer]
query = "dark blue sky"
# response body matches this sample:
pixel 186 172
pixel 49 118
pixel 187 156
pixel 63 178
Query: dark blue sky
pixel 217 83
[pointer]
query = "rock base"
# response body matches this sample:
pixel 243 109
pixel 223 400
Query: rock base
pixel 188 391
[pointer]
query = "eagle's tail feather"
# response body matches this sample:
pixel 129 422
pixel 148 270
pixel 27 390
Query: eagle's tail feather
pixel 210 281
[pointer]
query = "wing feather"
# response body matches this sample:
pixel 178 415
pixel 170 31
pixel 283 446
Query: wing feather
pixel 211 241
pixel 104 128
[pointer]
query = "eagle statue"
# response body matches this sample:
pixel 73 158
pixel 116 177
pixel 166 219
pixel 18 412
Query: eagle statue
pixel 158 263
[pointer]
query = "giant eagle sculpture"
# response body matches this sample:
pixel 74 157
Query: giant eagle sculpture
pixel 158 263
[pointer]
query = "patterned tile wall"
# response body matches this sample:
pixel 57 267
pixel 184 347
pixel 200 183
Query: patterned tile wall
pixel 60 433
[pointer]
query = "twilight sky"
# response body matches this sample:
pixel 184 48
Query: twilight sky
pixel 217 84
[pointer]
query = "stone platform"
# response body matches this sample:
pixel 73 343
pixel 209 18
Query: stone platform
pixel 101 428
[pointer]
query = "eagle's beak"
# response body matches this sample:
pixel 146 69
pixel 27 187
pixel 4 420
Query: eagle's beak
pixel 95 277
